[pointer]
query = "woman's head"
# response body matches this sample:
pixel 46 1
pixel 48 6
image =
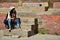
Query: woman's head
pixel 12 9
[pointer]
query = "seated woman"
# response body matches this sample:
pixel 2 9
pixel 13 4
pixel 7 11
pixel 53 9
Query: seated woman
pixel 11 19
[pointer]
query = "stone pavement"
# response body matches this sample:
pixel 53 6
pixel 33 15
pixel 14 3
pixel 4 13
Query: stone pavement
pixel 35 37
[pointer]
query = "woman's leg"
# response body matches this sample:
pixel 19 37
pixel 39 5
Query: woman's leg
pixel 16 21
pixel 9 24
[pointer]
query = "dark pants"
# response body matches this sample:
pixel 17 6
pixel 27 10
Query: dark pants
pixel 11 24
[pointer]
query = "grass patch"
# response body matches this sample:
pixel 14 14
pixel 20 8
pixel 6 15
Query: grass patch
pixel 42 31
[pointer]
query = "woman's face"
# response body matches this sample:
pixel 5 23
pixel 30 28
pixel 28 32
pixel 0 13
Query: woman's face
pixel 13 15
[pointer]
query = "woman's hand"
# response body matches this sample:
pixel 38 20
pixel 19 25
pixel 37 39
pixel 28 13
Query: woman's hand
pixel 12 18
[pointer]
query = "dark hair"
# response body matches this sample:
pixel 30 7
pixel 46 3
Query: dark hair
pixel 11 12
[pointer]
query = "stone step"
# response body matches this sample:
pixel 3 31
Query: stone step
pixel 26 27
pixel 22 9
pixel 28 20
pixel 16 33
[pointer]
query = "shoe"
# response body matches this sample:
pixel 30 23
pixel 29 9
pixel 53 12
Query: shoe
pixel 9 30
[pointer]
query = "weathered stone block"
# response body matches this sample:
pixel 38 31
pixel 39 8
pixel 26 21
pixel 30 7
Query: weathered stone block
pixel 26 33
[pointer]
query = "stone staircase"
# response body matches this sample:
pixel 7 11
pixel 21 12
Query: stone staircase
pixel 25 30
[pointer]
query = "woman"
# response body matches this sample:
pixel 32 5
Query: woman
pixel 11 19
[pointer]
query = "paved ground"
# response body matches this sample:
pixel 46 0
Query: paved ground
pixel 35 37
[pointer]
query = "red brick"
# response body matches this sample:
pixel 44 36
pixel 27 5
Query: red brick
pixel 7 5
pixel 2 17
pixel 51 22
pixel 56 5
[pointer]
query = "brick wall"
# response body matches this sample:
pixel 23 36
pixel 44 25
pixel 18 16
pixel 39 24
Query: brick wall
pixel 9 0
pixel 56 5
pixel 7 5
pixel 51 23
pixel 2 17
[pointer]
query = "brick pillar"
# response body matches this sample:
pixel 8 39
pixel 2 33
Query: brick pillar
pixel 50 3
pixel 35 26
pixel 20 2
